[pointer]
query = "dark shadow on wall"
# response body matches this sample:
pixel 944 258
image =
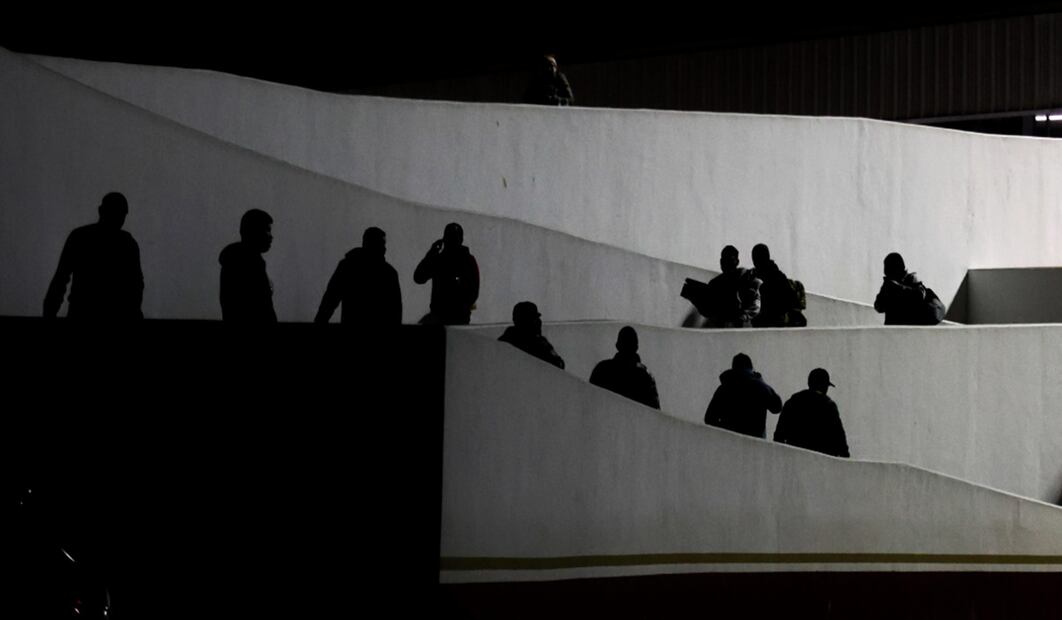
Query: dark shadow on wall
pixel 959 308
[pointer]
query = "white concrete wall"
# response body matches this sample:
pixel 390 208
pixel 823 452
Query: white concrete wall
pixel 62 146
pixel 1027 295
pixel 830 196
pixel 982 404
pixel 538 464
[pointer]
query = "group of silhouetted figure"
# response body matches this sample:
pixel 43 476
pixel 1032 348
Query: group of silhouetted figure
pixel 108 285
pixel 810 419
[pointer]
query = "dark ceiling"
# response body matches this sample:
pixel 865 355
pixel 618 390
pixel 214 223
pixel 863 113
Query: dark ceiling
pixel 345 48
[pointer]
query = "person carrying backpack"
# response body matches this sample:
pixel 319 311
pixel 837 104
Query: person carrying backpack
pixel 904 299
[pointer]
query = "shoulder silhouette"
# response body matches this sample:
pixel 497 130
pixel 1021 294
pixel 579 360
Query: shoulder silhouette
pixel 365 284
pixel 731 299
pixel 742 400
pixel 625 374
pixel 526 334
pixel 104 262
pixel 810 419
pixel 904 299
pixel 246 292
pixel 454 276
pixel 781 303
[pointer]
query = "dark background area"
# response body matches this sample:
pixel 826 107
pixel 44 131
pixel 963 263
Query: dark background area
pixel 338 49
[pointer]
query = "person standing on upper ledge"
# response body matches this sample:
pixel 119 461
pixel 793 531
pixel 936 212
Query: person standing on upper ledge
pixel 548 85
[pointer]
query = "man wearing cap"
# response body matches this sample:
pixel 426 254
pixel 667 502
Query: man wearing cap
pixel 104 262
pixel 810 419
pixel 526 334
pixel 742 400
pixel 625 374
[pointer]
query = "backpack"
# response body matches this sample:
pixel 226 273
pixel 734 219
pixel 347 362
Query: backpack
pixel 795 317
pixel 934 308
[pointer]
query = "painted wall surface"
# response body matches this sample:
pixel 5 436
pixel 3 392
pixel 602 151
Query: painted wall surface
pixel 981 404
pixel 830 196
pixel 540 465
pixel 63 146
pixel 1015 295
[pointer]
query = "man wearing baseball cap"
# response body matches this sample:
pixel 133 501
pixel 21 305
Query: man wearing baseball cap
pixel 810 419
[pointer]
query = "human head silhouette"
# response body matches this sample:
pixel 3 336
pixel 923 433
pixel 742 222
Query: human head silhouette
pixel 256 230
pixel 741 362
pixel 549 64
pixel 113 209
pixel 728 259
pixel 895 269
pixel 761 255
pixel 627 340
pixel 374 241
pixel 453 236
pixel 819 380
pixel 527 318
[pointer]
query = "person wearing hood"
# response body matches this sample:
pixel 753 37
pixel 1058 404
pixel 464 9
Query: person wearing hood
pixel 734 295
pixel 365 284
pixel 246 292
pixel 742 400
pixel 454 276
pixel 810 419
pixel 902 295
pixel 526 334
pixel 625 374
pixel 777 297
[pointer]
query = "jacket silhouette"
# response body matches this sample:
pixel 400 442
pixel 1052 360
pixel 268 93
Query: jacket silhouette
pixel 902 296
pixel 742 400
pixel 246 292
pixel 104 262
pixel 810 419
pixel 625 374
pixel 454 276
pixel 526 334
pixel 365 284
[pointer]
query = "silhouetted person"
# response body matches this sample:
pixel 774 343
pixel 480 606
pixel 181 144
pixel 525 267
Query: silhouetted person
pixel 246 292
pixel 904 299
pixel 733 297
pixel 548 85
pixel 104 261
pixel 625 374
pixel 742 400
pixel 778 298
pixel 454 277
pixel 365 284
pixel 526 334
pixel 810 419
